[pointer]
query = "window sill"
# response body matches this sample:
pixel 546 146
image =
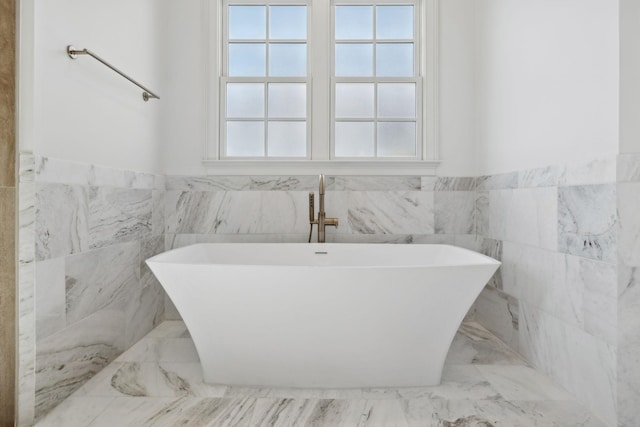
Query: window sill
pixel 314 167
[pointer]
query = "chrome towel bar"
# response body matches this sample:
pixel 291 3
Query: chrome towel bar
pixel 73 53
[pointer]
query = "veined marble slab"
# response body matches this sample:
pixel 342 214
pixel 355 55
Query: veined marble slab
pixel 101 278
pixel 444 183
pixel 454 212
pixel 628 203
pixel 493 248
pixel 628 370
pixel 60 171
pixel 497 182
pixel 118 215
pixel 599 171
pixel 67 359
pixel 62 220
pixel 541 177
pixel 526 215
pixel 581 363
pixel 376 183
pixel 25 375
pixel 51 315
pixel 587 221
pixel 500 314
pixel 242 212
pixel 391 212
pixel 629 167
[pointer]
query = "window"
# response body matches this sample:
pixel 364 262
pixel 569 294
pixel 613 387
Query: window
pixel 331 81
pixel 265 81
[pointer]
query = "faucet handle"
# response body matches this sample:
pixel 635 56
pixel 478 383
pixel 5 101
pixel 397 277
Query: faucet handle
pixel 312 215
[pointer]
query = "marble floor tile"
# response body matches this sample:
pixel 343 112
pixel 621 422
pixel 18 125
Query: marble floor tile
pixel 158 382
pixel 522 383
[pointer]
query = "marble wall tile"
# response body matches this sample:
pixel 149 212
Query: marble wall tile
pixel 287 183
pixel 62 220
pixel 118 215
pixel 237 212
pixel 50 297
pixel 101 278
pixel 482 213
pixel 499 313
pixel 587 221
pixel 208 183
pixel 391 212
pixel 540 278
pixel 467 241
pixel 67 359
pixel 158 206
pixel 524 216
pixel 493 249
pixel 497 182
pixel 628 202
pixel 582 364
pixel 628 346
pixel 541 177
pixel 377 183
pixel 599 171
pixel 25 376
pixel 454 212
pixel 52 170
pixel 628 167
pixel 428 183
pixel 596 282
pixel 173 241
pixel 444 183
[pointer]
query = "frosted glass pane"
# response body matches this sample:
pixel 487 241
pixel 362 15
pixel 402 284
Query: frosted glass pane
pixel 288 60
pixel 394 60
pixel 245 100
pixel 247 59
pixel 247 22
pixel 396 139
pixel 288 22
pixel 354 60
pixel 394 22
pixel 354 100
pixel 288 100
pixel 245 139
pixel 287 139
pixel 354 139
pixel 397 100
pixel 354 22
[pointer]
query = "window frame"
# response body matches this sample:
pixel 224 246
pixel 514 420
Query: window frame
pixel 266 80
pixel 320 84
pixel 417 78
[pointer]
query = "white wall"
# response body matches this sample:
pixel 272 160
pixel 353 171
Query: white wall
pixel 83 111
pixel 629 76
pixel 457 93
pixel 547 82
pixel 184 115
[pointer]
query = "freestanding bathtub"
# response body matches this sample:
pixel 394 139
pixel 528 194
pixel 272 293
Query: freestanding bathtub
pixel 322 315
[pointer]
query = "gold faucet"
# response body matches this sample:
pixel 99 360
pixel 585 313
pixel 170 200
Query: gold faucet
pixel 322 220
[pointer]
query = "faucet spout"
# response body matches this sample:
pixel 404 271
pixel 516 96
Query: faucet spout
pixel 322 220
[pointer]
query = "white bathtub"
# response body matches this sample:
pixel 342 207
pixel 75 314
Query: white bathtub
pixel 322 315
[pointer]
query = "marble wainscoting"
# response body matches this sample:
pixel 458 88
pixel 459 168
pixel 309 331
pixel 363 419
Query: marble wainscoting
pixel 554 299
pixel 628 193
pixel 25 407
pixel 389 209
pixel 94 296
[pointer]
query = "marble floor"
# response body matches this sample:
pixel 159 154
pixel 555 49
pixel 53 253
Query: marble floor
pixel 158 382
